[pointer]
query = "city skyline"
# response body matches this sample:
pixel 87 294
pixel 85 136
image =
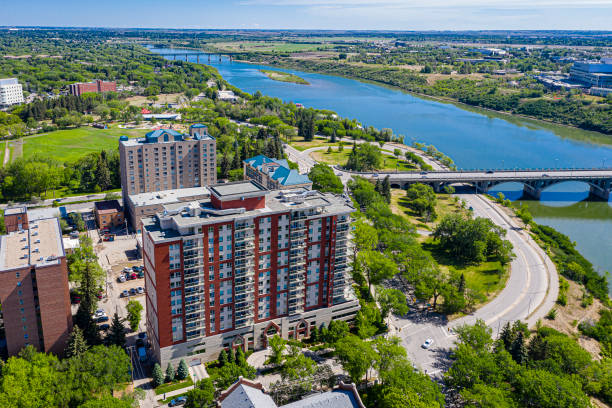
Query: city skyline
pixel 317 14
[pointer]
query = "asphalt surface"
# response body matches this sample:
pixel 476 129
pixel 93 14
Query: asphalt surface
pixel 529 294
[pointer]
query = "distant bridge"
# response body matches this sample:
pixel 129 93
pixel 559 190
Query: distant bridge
pixel 186 55
pixel 534 181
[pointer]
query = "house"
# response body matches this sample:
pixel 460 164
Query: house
pixel 108 214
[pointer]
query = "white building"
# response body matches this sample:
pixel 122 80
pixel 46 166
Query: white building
pixel 11 92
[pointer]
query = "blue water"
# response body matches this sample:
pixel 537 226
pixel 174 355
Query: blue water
pixel 473 139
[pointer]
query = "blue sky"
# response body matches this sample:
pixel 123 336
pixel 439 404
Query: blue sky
pixel 314 14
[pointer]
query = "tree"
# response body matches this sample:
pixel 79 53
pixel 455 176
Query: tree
pixel 422 200
pixel 277 346
pixel 85 322
pixel 158 376
pixel 230 356
pixel 377 267
pixel 203 394
pixel 106 402
pixel 297 365
pixel 365 157
pixel 222 358
pixel 391 300
pixel 116 334
pixel 518 349
pixel 76 345
pixel 134 313
pixel 356 356
pixel 169 373
pixel 337 330
pixel 240 357
pixel 324 179
pixel 183 371
pixel 385 189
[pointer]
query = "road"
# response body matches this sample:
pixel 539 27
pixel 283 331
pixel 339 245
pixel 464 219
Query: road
pixel 530 292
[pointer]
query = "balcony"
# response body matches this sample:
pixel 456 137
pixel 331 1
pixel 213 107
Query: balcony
pixel 193 283
pixel 194 317
pixel 193 265
pixel 243 227
pixel 298 216
pixel 194 273
pixel 194 302
pixel 192 255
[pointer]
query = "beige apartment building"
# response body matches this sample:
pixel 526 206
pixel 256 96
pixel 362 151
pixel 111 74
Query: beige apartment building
pixel 34 292
pixel 166 160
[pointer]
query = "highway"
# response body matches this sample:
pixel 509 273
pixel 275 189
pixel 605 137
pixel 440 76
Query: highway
pixel 530 292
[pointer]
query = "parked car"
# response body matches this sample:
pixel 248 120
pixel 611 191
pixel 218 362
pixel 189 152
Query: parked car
pixel 140 290
pixel 100 294
pixel 142 335
pixel 132 291
pixel 142 355
pixel 104 327
pixel 125 293
pixel 76 299
pixel 99 313
pixel 127 269
pixel 141 274
pixel 102 319
pixel 427 343
pixel 139 343
pixel 178 401
pixel 121 278
pixel 133 275
pixel 137 268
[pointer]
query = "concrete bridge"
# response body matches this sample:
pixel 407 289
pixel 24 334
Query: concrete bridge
pixel 186 55
pixel 534 181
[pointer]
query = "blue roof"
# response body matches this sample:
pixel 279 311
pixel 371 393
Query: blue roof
pixel 283 174
pixel 198 126
pixel 166 135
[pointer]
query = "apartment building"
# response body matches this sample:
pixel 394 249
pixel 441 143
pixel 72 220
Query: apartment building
pixel 109 214
pixel 274 174
pixel 11 92
pixel 34 292
pixel 166 160
pixel 97 86
pixel 244 265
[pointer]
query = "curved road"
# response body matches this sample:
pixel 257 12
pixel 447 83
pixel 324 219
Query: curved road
pixel 530 292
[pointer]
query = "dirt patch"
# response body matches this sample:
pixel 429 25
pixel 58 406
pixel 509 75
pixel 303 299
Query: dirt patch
pixel 161 99
pixel 569 316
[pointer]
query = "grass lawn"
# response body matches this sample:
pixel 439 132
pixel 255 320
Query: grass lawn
pixel 2 149
pixel 71 144
pixel 174 386
pixel 390 163
pixel 487 278
pixel 445 205
pixel 301 145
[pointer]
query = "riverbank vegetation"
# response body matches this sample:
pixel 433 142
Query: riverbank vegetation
pixel 546 369
pixel 284 76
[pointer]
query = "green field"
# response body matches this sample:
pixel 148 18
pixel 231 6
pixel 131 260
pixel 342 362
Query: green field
pixel 71 144
pixel 390 163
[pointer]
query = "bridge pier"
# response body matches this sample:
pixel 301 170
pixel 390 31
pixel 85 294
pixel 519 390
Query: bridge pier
pixel 597 193
pixel 531 192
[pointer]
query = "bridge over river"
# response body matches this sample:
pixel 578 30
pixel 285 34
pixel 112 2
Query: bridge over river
pixel 534 181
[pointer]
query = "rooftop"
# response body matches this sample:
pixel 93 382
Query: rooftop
pixel 9 81
pixel 236 188
pixel 162 136
pixel 278 170
pixel 178 217
pixel 39 245
pixel 168 196
pixel 15 210
pixel 108 206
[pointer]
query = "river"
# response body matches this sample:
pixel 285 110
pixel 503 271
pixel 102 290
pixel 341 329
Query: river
pixel 473 138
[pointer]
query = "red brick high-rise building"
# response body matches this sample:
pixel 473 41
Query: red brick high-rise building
pixel 34 290
pixel 245 264
pixel 96 86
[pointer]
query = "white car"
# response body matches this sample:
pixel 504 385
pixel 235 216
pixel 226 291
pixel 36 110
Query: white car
pixel 427 343
pixel 99 313
pixel 127 269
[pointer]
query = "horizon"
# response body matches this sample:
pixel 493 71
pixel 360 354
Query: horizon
pixel 342 15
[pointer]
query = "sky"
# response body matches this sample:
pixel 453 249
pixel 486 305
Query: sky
pixel 313 14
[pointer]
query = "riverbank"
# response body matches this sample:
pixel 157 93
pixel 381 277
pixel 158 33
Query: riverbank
pixel 391 82
pixel 283 77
